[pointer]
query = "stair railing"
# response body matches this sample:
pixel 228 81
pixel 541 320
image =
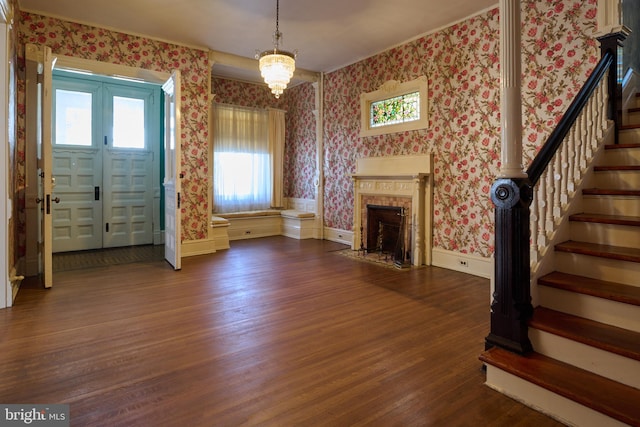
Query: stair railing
pixel 564 159
pixel 528 210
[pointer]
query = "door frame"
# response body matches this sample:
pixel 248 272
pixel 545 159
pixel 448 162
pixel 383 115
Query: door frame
pixel 6 293
pixel 67 63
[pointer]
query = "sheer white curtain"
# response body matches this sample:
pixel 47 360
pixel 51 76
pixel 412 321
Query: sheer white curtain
pixel 242 164
pixel 276 147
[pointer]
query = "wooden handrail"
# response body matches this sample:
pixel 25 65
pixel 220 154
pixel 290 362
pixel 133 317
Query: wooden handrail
pixel 554 141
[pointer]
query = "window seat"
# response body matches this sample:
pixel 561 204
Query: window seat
pixel 292 223
pixel 250 214
pixel 220 232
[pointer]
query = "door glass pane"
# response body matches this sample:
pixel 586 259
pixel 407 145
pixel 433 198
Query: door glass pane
pixel 73 118
pixel 128 122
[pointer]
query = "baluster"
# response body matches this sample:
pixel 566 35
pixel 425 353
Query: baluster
pixel 556 172
pixel 573 149
pixel 548 182
pixel 582 155
pixel 542 197
pixel 564 168
pixel 588 137
pixel 533 217
pixel 596 127
pixel 598 99
pixel 603 106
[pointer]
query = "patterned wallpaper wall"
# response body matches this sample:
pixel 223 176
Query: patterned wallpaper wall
pixel 82 41
pixel 461 63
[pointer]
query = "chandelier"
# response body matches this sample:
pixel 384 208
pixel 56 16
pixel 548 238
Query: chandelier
pixel 277 66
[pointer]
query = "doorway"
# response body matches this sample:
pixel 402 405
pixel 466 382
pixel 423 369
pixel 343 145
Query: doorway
pixel 106 143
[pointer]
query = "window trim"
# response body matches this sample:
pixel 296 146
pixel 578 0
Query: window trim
pixel 392 89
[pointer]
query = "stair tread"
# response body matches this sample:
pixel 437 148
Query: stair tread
pixel 606 219
pixel 604 251
pixel 601 394
pixel 595 287
pixel 621 146
pixel 609 192
pixel 595 334
pixel 617 168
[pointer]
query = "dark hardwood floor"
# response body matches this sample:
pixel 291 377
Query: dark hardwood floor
pixel 274 331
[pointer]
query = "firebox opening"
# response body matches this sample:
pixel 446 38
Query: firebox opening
pixel 386 232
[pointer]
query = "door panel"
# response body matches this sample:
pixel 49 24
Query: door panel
pixel 77 219
pixel 39 58
pixel 127 160
pixel 128 198
pixel 77 164
pixel 173 174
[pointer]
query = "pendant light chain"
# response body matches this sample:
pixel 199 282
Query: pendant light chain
pixel 277 66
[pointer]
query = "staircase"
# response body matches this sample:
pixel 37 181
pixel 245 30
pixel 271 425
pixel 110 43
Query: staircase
pixel 585 369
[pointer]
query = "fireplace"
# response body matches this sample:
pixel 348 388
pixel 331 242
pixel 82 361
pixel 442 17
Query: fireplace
pixel 386 232
pixel 396 187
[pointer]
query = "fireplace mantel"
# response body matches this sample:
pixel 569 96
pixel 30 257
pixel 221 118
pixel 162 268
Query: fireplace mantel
pixel 398 176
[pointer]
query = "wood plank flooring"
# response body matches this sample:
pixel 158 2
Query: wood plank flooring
pixel 273 332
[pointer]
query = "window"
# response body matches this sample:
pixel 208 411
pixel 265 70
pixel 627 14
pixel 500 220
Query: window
pixel 128 122
pixel 244 151
pixel 399 109
pixel 395 107
pixel 73 111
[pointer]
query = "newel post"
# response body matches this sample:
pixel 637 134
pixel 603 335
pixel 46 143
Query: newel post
pixel 512 195
pixel 612 42
pixel 511 305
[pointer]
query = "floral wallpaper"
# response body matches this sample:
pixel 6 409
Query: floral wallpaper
pixel 461 63
pixel 82 41
pixel 300 148
pixel 300 122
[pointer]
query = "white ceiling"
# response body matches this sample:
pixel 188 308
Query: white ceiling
pixel 328 34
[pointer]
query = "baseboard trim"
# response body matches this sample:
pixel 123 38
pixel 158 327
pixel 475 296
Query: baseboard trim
pixel 198 247
pixel 465 263
pixel 340 236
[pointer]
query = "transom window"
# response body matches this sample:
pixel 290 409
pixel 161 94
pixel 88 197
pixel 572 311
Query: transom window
pixel 399 109
pixel 395 107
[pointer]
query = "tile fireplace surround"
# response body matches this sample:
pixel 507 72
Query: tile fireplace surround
pixel 402 179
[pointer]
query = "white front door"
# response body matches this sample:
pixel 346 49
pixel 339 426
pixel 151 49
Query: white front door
pixel 77 165
pixel 127 160
pixel 173 175
pixel 41 58
pixel 103 160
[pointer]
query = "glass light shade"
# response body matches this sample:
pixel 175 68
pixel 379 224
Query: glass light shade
pixel 276 68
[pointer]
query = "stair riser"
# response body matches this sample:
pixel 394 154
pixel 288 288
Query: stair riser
pixel 610 365
pixel 623 180
pixel 621 157
pixel 611 270
pixel 601 310
pixel 632 118
pixel 547 402
pixel 629 136
pixel 612 205
pixel 606 234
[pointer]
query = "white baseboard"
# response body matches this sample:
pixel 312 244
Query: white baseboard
pixel 198 247
pixel 465 263
pixel 341 236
